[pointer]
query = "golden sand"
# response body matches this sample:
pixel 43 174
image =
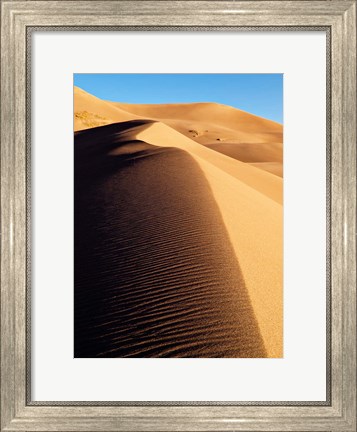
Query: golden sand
pixel 237 160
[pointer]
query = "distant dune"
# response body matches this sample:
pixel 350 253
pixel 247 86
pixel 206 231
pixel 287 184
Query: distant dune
pixel 178 231
pixel 226 128
pixel 89 111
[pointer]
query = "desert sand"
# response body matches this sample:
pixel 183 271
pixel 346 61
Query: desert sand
pixel 178 231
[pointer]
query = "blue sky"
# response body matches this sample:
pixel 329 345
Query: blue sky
pixel 260 94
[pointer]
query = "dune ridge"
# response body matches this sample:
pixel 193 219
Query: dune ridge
pixel 144 169
pixel 239 199
pixel 156 274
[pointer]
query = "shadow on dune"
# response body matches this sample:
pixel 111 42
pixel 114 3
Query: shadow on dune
pixel 155 274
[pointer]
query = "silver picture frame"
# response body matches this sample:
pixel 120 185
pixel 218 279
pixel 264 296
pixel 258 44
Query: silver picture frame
pixel 19 19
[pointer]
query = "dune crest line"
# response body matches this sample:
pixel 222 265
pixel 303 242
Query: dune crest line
pixel 257 240
pixel 156 274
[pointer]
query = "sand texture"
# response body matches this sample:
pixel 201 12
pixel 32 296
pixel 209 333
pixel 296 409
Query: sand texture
pixel 178 236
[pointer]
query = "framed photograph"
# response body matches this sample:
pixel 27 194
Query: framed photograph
pixel 178 215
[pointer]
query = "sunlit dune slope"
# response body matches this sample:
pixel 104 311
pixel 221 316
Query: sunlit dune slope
pixel 272 167
pixel 250 207
pixel 251 152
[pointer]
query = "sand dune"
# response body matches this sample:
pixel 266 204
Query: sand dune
pixel 178 243
pixel 251 152
pixel 212 114
pixel 272 167
pixel 89 111
pixel 264 182
pixel 211 123
pixel 252 197
pixel 156 274
pixel 230 131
